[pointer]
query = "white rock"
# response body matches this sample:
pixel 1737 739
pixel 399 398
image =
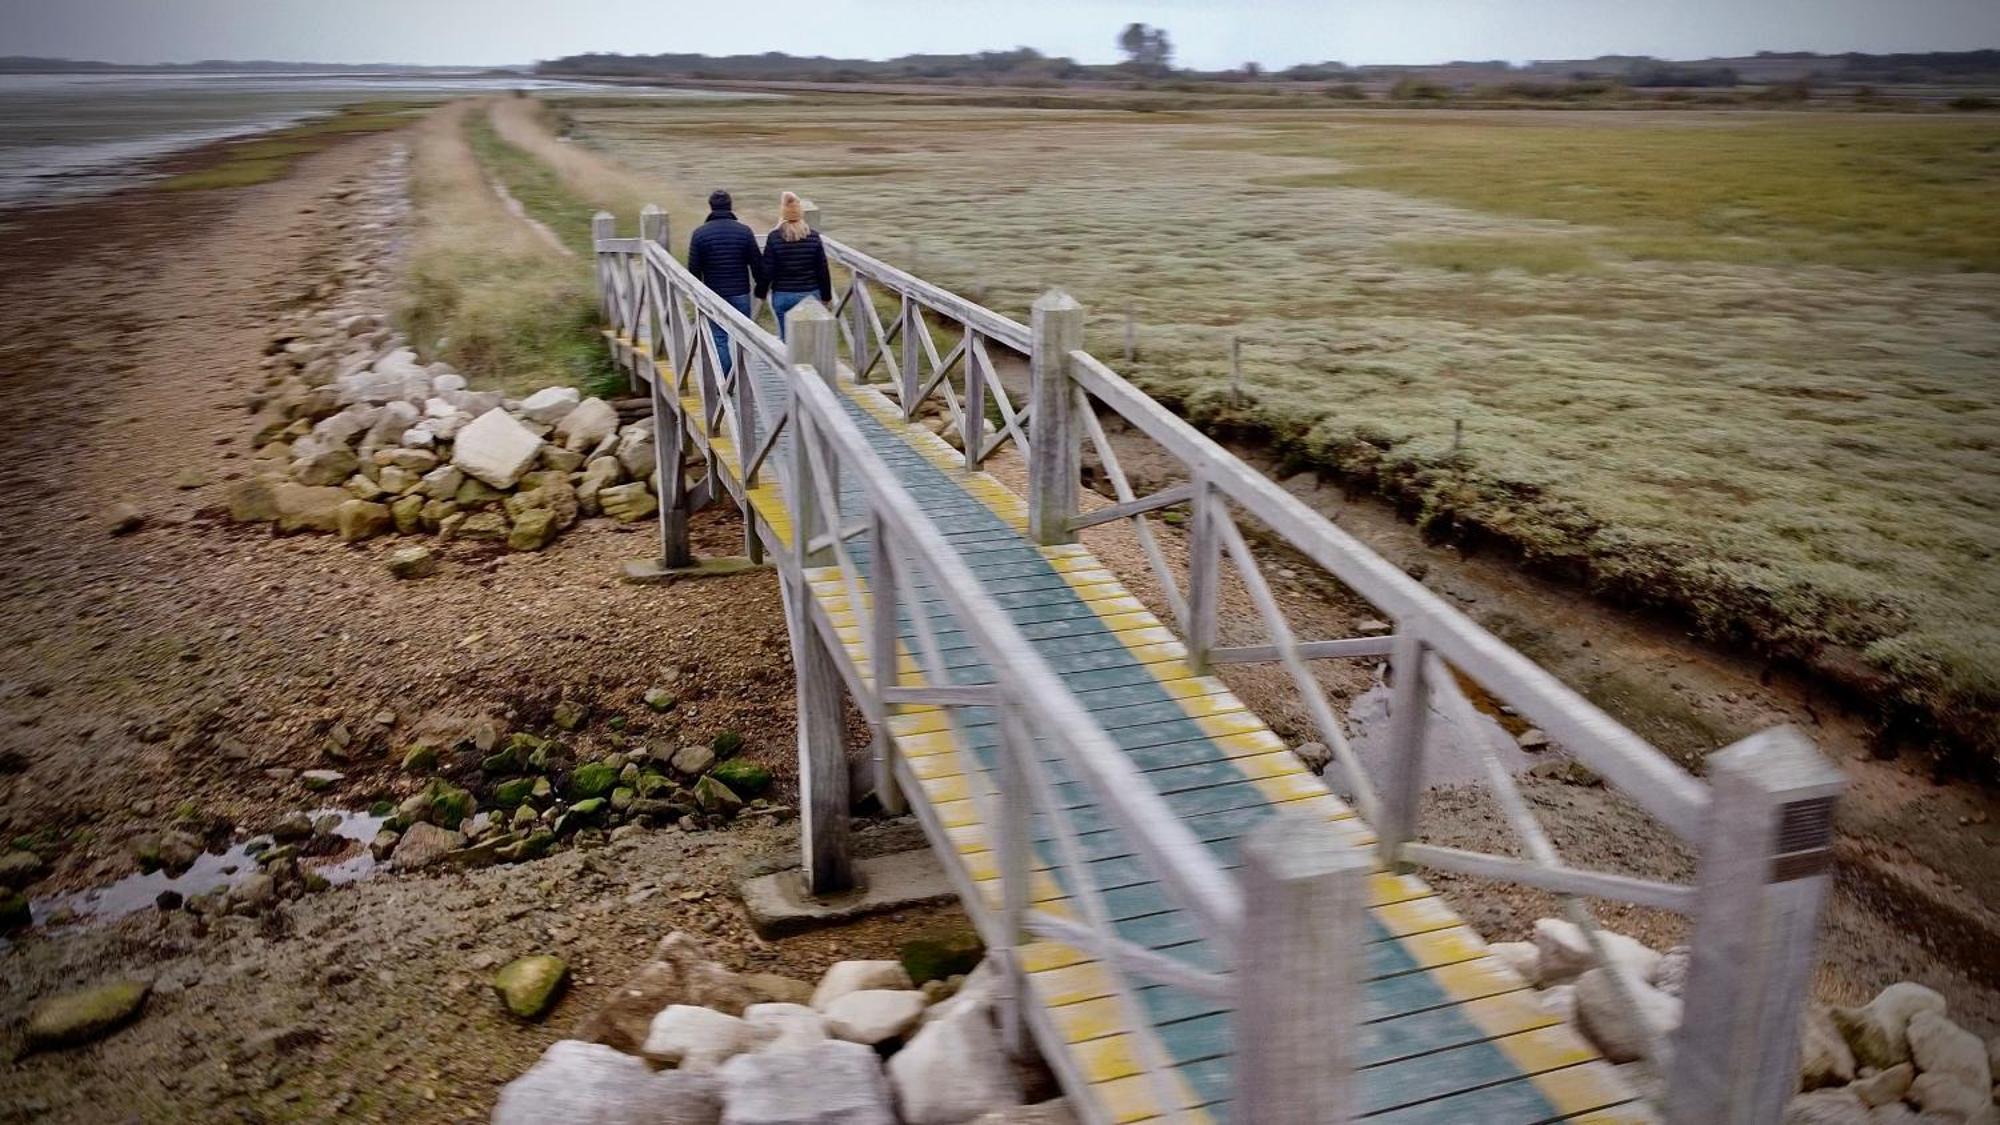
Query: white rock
pixel 1612 1025
pixel 981 989
pixel 874 1015
pixel 389 427
pixel 1939 1046
pixel 442 482
pixel 347 426
pixel 1878 1032
pixel 953 1070
pixel 1826 1107
pixel 550 404
pixel 635 448
pixel 419 436
pixel 833 1083
pixel 1948 1098
pixel 496 449
pixel 590 1084
pixel 474 403
pixel 1558 1000
pixel 446 381
pixel 1565 952
pixel 1670 975
pixel 853 976
pixel 1520 956
pixel 435 407
pixel 785 1027
pixel 1824 1059
pixel 1885 1086
pixel 696 1039
pixel 593 421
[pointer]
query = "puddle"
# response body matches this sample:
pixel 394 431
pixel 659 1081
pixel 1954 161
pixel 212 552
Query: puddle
pixel 214 871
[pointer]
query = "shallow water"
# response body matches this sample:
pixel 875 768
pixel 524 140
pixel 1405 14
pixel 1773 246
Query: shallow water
pixel 212 871
pixel 68 135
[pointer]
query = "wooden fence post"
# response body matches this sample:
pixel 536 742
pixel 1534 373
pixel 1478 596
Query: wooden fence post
pixel 1305 896
pixel 823 799
pixel 912 348
pixel 1015 851
pixel 884 657
pixel 1054 432
pixel 604 225
pixel 1764 873
pixel 823 796
pixel 811 340
pixel 1204 572
pixel 652 228
pixel 1409 721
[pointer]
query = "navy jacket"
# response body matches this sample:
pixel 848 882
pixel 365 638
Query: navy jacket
pixel 723 254
pixel 797 267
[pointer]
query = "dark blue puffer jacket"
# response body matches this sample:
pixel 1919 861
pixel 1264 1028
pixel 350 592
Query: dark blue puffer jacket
pixel 797 267
pixel 723 254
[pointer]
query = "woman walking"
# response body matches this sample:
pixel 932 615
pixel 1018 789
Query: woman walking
pixel 795 261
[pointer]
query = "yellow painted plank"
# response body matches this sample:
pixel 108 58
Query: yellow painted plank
pixel 1587 1086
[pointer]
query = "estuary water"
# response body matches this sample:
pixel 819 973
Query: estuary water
pixel 69 135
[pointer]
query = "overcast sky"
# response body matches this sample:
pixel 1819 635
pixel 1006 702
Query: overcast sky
pixel 1207 33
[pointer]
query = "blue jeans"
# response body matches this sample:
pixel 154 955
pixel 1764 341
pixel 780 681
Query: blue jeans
pixel 782 303
pixel 742 304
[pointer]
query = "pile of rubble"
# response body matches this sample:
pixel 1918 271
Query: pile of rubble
pixel 1896 1059
pixel 376 443
pixel 357 437
pixel 690 1042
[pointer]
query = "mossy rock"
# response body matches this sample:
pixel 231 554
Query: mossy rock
pixel 715 796
pixel 530 986
pixel 420 759
pixel 445 804
pixel 504 760
pixel 727 744
pixel 570 714
pixel 86 1014
pixel 525 742
pixel 939 956
pixel 745 777
pixel 383 809
pixel 511 793
pixel 537 845
pixel 652 784
pixel 592 779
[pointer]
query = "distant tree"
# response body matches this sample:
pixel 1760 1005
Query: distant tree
pixel 1146 47
pixel 1253 70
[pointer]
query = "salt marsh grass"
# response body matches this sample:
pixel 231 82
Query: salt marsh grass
pixel 1742 366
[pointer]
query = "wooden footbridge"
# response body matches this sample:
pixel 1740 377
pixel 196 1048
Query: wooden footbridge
pixel 1194 926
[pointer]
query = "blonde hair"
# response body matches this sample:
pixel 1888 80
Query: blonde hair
pixel 792 218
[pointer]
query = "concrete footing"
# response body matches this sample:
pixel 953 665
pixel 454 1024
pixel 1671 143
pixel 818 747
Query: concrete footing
pixel 649 572
pixel 778 903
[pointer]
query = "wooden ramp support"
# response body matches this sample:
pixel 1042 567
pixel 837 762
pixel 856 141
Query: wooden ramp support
pixel 1194 927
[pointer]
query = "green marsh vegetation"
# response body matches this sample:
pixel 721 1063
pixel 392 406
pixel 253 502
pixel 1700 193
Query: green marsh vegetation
pixel 270 156
pixel 1740 366
pixel 484 290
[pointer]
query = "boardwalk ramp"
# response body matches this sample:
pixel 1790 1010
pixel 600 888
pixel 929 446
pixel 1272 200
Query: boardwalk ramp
pixel 1194 926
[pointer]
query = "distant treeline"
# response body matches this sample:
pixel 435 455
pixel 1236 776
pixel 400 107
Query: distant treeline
pixel 1025 66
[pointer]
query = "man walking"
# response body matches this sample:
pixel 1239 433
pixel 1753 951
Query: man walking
pixel 723 255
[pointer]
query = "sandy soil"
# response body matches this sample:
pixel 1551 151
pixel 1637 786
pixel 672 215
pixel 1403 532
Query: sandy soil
pixel 164 674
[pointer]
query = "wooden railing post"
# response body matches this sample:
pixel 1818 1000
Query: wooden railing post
pixel 1055 433
pixel 1204 572
pixel 811 340
pixel 1305 896
pixel 823 797
pixel 652 228
pixel 604 225
pixel 1409 722
pixel 1765 868
pixel 884 657
pixel 912 376
pixel 1015 852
